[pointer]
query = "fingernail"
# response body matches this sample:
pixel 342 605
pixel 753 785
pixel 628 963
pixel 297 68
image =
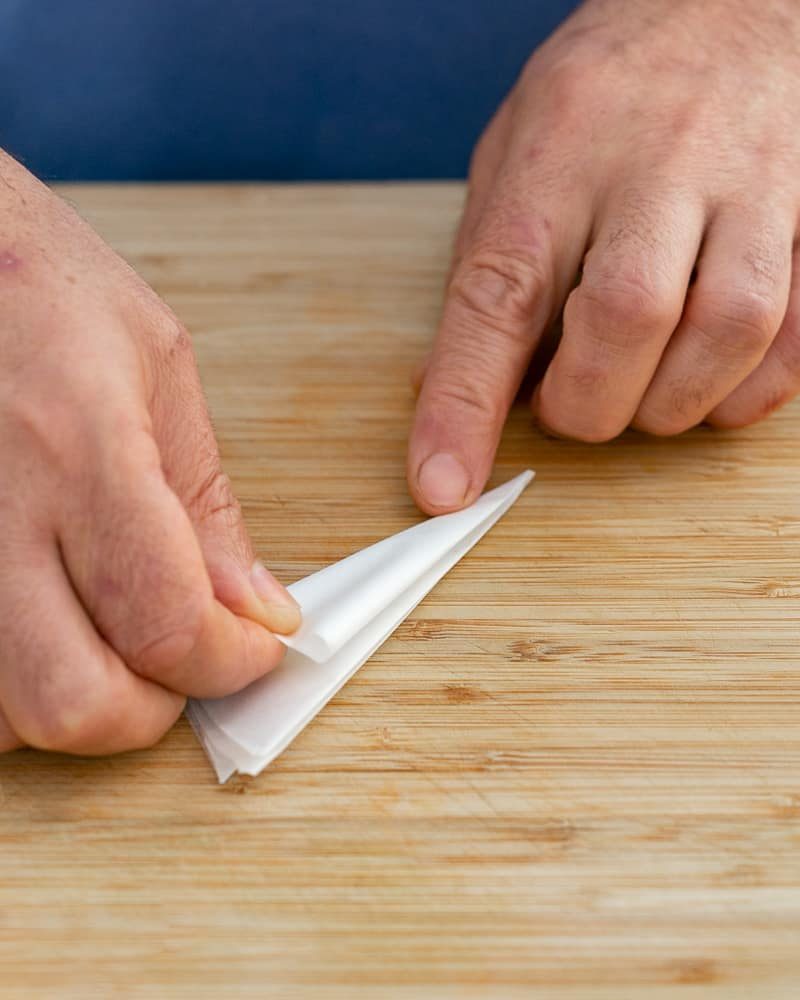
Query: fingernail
pixel 281 612
pixel 443 480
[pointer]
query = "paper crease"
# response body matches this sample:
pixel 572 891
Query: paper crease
pixel 349 609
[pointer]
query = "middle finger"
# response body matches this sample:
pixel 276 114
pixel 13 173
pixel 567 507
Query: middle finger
pixel 622 314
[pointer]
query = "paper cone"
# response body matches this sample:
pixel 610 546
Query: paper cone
pixel 349 610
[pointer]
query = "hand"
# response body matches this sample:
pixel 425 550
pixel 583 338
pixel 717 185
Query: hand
pixel 651 147
pixel 127 580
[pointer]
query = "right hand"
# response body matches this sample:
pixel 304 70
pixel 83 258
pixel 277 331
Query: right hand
pixel 127 580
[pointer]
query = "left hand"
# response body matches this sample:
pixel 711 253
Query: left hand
pixel 653 147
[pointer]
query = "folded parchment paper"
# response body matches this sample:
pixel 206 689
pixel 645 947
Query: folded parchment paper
pixel 349 609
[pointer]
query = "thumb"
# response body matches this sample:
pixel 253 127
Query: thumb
pixel 192 467
pixel 240 581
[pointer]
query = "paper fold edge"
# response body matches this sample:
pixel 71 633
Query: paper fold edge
pixel 230 758
pixel 317 648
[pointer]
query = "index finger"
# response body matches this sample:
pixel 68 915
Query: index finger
pixel 507 287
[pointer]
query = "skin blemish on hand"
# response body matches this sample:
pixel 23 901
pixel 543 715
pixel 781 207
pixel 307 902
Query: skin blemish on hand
pixel 9 261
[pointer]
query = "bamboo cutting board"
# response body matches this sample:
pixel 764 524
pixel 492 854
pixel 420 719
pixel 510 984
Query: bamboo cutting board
pixel 573 773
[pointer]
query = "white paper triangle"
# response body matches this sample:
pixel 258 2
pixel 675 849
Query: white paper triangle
pixel 349 609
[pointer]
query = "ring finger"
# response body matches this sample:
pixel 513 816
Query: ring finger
pixel 733 312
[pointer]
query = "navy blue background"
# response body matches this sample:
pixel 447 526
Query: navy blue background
pixel 242 89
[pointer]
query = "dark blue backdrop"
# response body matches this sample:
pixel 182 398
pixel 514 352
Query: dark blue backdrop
pixel 207 89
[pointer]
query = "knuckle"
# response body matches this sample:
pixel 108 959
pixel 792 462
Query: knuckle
pixel 627 304
pixel 213 497
pixel 567 79
pixel 587 379
pixel 74 433
pixel 750 405
pixel 35 424
pixel 501 287
pixel 465 383
pixel 172 342
pixel 680 404
pixel 62 713
pixel 740 322
pixel 767 257
pixel 466 396
pixel 138 461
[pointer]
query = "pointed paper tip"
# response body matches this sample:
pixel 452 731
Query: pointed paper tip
pixel 245 731
pixel 525 477
pixel 314 639
pixel 513 486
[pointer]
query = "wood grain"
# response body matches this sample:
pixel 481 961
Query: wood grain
pixel 573 773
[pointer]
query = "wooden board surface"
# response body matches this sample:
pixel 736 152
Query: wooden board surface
pixel 573 773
